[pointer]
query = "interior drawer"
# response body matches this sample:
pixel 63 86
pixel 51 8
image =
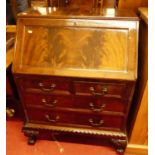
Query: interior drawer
pixel 100 88
pixel 74 119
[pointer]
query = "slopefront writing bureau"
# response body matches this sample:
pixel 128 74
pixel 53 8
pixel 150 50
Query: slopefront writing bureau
pixel 76 71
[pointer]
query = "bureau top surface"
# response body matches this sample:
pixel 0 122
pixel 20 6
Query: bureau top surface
pixel 78 12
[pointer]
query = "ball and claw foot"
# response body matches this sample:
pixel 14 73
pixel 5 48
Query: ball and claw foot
pixel 31 140
pixel 32 136
pixel 120 151
pixel 119 145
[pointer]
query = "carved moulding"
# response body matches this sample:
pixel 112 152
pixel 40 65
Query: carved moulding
pixel 117 139
pixel 31 126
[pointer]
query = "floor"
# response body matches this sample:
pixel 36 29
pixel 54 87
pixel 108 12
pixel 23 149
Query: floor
pixel 17 145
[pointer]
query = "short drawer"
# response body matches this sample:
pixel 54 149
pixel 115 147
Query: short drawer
pixel 90 103
pixel 74 119
pixel 45 85
pixel 100 88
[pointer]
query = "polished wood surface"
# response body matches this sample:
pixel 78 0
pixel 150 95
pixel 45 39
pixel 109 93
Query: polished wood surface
pixel 76 70
pixel 69 54
pixel 76 48
pixel 94 13
pixel 75 119
pixel 69 96
pixel 84 103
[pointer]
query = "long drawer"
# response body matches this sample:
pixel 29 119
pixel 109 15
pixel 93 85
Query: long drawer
pixel 52 117
pixel 94 104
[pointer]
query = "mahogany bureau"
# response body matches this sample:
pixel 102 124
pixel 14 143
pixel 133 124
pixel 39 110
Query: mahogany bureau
pixel 76 71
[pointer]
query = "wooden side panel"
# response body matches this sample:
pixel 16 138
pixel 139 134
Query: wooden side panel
pixel 143 57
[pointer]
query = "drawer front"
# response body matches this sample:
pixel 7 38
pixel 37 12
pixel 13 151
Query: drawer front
pixel 100 88
pixel 93 104
pixel 48 101
pixel 46 85
pixel 74 119
pixel 101 104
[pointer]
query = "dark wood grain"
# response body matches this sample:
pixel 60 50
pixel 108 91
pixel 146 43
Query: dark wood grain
pixel 100 88
pixel 75 102
pixel 45 85
pixel 69 119
pixel 75 48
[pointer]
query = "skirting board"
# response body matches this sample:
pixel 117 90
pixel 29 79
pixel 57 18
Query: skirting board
pixel 137 149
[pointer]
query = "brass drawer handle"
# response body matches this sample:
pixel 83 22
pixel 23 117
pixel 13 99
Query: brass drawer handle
pixel 51 88
pixel 50 104
pixel 94 124
pixel 53 120
pixel 104 91
pixel 92 106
